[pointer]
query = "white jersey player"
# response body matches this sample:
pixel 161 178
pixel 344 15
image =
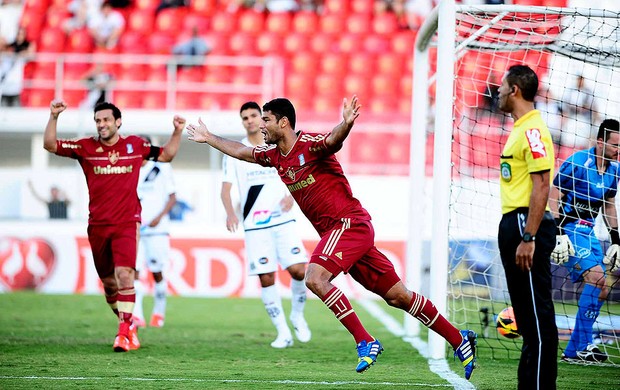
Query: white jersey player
pixel 156 191
pixel 270 232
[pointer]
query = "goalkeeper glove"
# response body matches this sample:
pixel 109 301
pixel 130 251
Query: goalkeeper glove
pixel 563 249
pixel 611 257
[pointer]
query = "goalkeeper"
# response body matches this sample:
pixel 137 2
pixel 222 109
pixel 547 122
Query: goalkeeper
pixel 587 181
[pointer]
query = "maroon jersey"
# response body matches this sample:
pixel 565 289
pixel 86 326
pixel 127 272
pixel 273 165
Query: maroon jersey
pixel 315 179
pixel 112 174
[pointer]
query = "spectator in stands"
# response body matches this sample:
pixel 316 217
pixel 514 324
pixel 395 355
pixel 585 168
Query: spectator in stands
pixel 551 112
pixel 10 14
pixel 83 11
pixel 266 5
pixel 57 204
pixel 13 59
pixel 171 4
pixel 106 28
pixel 193 48
pixel 581 113
pixel 98 81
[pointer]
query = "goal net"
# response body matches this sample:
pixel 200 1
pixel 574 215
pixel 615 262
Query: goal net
pixel 576 54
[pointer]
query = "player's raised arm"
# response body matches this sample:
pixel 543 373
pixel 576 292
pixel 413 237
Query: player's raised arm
pixel 49 137
pixel 172 146
pixel 199 133
pixel 350 112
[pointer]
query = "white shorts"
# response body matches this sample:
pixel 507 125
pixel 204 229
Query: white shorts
pixel 266 248
pixel 154 252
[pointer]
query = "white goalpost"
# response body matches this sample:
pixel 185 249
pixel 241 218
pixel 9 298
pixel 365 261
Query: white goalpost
pixel 460 56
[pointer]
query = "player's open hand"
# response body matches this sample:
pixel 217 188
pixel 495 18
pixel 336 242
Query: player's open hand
pixel 350 110
pixel 178 122
pixel 57 106
pixel 198 133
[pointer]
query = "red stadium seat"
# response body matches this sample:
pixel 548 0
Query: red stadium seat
pixel 385 23
pixel 39 97
pixel 334 63
pixel 235 101
pixel 188 100
pixel 223 22
pixel 331 23
pixel 270 43
pixel 405 86
pixel 168 20
pixel 327 103
pixel 279 22
pixel 384 85
pixel 32 20
pixel 154 101
pixel 358 85
pixel 247 75
pixel 337 7
pixel 358 23
pixel 196 20
pixel 160 43
pixel 215 74
pixel 75 70
pixel 251 21
pixel 295 42
pixel 127 99
pixel 52 40
pixel 243 43
pixel 306 62
pixel 203 7
pixel 132 42
pixel 131 72
pixel 350 42
pixel 56 16
pixel 194 74
pixel 80 41
pixel 141 21
pixel 323 43
pixel 377 44
pixel 297 82
pixel 391 64
pixel 402 42
pixel 362 63
pixel 328 85
pixel 73 98
pixel 44 71
pixel 36 5
pixel 306 22
pixel 148 5
pixel 362 6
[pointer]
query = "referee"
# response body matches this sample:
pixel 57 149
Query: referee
pixel 527 230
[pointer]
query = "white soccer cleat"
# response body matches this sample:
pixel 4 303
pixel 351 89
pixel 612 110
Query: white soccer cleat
pixel 302 331
pixel 283 341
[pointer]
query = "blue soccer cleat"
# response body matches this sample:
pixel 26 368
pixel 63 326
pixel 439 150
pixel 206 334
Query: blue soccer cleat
pixel 367 354
pixel 466 352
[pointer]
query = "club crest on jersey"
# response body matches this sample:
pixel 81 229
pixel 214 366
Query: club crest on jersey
pixel 302 159
pixel 290 173
pixel 113 156
pixel 536 145
pixel 505 171
pixel 129 148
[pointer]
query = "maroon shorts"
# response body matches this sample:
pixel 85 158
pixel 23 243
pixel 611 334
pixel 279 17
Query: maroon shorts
pixel 351 249
pixel 114 246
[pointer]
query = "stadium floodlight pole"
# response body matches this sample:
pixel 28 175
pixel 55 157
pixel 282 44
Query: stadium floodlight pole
pixel 442 169
pixel 417 162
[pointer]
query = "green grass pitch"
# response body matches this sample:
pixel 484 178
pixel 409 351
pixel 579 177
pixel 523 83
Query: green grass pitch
pixel 65 342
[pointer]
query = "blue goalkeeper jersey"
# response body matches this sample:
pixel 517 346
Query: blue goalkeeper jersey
pixel 584 189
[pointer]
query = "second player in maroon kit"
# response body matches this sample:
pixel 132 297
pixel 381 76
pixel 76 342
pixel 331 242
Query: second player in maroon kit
pixel 111 164
pixel 307 165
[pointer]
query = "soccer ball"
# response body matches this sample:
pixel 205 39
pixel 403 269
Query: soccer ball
pixel 506 324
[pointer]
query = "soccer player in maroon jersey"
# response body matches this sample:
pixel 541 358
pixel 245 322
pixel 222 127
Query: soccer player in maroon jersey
pixel 307 165
pixel 111 164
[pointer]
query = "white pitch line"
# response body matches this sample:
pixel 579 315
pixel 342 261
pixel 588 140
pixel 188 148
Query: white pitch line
pixel 278 382
pixel 438 366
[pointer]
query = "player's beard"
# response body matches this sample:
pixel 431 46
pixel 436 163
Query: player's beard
pixel 110 134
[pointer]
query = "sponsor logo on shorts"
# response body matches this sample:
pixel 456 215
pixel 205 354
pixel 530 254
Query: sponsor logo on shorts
pixel 263 260
pixel 295 250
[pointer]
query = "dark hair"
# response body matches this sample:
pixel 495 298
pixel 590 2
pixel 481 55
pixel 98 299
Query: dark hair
pixel 525 78
pixel 249 105
pixel 108 106
pixel 281 107
pixel 608 126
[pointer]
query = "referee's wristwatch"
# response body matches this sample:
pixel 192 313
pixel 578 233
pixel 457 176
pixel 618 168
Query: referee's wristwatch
pixel 527 237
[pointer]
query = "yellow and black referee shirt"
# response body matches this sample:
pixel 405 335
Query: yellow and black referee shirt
pixel 529 149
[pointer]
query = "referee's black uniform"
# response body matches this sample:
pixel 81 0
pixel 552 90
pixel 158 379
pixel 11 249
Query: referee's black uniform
pixel 530 291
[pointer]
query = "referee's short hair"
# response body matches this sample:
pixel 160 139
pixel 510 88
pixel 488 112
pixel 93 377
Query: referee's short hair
pixel 525 78
pixel 608 126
